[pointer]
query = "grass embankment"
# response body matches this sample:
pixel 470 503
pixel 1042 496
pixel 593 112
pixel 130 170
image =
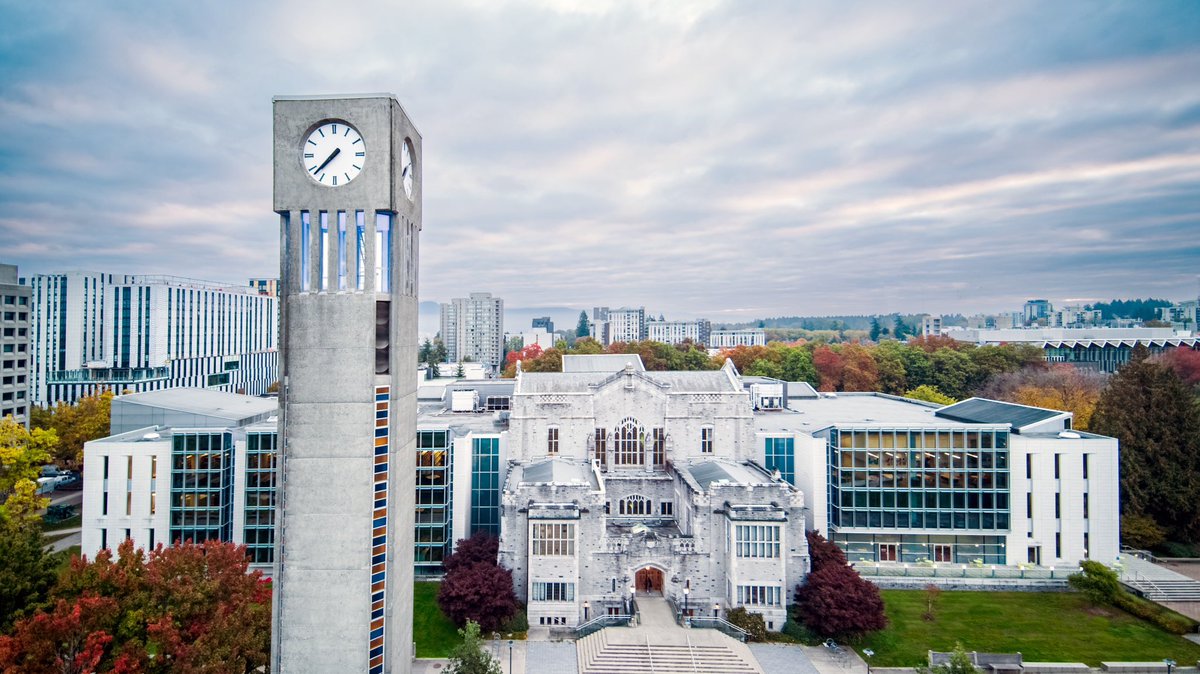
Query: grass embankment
pixel 1042 626
pixel 434 633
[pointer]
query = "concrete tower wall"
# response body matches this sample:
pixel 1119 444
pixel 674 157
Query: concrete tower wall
pixel 348 401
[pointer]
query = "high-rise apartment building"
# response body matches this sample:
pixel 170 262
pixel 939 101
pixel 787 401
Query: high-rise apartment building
pixel 265 286
pixel 473 329
pixel 674 332
pixel 95 332
pixel 14 346
pixel 627 325
pixel 545 323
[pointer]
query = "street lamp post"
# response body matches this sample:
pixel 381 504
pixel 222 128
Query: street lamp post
pixel 510 647
pixel 586 606
pixel 716 609
pixel 1170 665
pixel 686 592
pixel 869 653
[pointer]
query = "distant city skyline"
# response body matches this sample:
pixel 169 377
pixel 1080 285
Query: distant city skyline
pixel 704 159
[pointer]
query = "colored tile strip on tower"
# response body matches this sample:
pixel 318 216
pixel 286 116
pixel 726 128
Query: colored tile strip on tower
pixel 379 529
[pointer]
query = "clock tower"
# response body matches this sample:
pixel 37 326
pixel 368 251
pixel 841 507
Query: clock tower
pixel 347 176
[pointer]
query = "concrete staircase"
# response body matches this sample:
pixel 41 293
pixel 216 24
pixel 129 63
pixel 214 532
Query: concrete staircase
pixel 1164 590
pixel 618 650
pixel 659 645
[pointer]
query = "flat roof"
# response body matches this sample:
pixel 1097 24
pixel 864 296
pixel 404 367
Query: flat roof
pixel 601 362
pixel 205 402
pixel 858 410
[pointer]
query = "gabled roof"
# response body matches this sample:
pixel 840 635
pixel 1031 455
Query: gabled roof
pixel 984 411
pixel 601 362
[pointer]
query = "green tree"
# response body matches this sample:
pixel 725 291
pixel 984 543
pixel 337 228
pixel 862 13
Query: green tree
pixel 469 657
pixel 584 329
pixel 876 329
pixel 1100 583
pixel 754 623
pixel 953 372
pixel 1157 421
pixel 797 365
pixel 22 453
pixel 425 351
pixel 960 663
pixel 27 570
pixel 930 394
pixel 889 361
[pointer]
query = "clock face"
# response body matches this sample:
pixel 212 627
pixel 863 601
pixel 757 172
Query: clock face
pixel 406 167
pixel 334 154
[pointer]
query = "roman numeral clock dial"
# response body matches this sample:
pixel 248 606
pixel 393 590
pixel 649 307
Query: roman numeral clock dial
pixel 334 154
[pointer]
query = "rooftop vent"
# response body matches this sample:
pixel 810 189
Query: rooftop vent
pixel 1069 435
pixel 151 436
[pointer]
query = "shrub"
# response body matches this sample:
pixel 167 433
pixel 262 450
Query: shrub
pixel 1097 581
pixel 519 622
pixel 1149 611
pixel 480 548
pixel 753 623
pixel 481 593
pixel 837 602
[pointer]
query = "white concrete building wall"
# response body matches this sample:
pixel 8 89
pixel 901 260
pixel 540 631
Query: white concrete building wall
pixel 627 325
pixel 1068 523
pixel 728 339
pixel 139 502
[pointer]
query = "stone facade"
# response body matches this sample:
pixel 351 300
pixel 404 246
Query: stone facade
pixel 634 481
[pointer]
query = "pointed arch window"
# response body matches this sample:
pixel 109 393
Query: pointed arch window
pixel 630 443
pixel 635 505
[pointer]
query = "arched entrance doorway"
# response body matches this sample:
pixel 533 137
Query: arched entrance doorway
pixel 649 580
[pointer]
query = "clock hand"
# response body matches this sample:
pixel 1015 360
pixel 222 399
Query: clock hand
pixel 327 160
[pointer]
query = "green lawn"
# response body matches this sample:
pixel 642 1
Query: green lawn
pixel 1043 626
pixel 435 635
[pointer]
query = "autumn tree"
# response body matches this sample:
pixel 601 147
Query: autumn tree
pixel 188 608
pixel 22 453
pixel 930 394
pixel 480 592
pixel 76 424
pixel 1185 363
pixel 1157 421
pixel 834 601
pixel 480 548
pixel 829 365
pixel 860 373
pixel 1058 387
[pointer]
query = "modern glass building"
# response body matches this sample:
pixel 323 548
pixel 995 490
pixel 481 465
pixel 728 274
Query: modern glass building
pixel 485 486
pixel 433 537
pixel 781 455
pixel 201 486
pixel 950 484
pixel 258 528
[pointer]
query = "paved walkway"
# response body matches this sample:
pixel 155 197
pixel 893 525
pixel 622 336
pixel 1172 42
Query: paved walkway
pixel 784 659
pixel 1136 568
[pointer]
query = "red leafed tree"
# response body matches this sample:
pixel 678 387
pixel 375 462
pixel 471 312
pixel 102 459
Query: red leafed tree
pixel 1185 362
pixel 482 592
pixel 70 639
pixel 481 548
pixel 194 607
pixel 525 355
pixel 835 601
pixel 829 365
pixel 823 552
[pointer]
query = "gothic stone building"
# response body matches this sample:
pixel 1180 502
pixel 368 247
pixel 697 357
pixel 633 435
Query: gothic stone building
pixel 624 481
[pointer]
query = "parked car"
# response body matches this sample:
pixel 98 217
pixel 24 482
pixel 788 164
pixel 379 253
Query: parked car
pixel 71 483
pixel 50 470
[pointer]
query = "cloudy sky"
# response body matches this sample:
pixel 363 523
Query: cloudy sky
pixel 723 159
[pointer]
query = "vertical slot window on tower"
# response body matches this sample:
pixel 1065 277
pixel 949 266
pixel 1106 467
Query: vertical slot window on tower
pixel 341 249
pixel 360 252
pixel 383 325
pixel 305 247
pixel 324 262
pixel 383 252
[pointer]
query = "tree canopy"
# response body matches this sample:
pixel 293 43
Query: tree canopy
pixel 1157 420
pixel 87 419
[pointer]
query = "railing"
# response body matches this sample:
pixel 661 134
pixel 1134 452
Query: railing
pixel 892 570
pixel 108 374
pixel 1140 554
pixel 600 622
pixel 719 624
